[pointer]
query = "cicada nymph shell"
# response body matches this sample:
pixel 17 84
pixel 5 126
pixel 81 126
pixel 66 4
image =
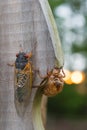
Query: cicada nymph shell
pixel 53 83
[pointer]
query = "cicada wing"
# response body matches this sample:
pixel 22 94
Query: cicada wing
pixel 22 93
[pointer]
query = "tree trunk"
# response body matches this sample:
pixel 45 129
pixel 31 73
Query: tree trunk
pixel 22 22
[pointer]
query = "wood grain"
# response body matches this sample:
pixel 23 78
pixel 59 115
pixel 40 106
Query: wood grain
pixel 21 22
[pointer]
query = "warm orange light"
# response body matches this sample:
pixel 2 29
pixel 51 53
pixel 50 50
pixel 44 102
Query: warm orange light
pixel 77 77
pixel 68 74
pixel 67 79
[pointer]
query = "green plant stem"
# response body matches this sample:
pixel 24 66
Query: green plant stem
pixel 37 118
pixel 53 32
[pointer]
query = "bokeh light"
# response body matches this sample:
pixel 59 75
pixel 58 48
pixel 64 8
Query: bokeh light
pixel 77 77
pixel 67 79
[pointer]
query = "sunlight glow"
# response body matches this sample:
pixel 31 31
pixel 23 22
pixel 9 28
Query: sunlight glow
pixel 77 77
pixel 67 79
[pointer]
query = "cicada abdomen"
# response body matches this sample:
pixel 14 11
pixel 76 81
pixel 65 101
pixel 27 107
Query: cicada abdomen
pixel 55 82
pixel 23 77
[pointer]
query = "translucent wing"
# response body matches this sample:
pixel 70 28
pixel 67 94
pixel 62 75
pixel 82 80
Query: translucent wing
pixel 23 84
pixel 22 88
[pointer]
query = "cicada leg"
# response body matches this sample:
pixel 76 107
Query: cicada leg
pixel 63 73
pixel 11 65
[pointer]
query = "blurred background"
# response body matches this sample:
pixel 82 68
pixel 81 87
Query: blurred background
pixel 68 110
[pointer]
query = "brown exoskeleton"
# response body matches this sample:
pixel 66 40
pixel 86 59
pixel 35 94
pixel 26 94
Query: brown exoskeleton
pixel 53 82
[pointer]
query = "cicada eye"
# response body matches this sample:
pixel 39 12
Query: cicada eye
pixel 17 55
pixel 26 56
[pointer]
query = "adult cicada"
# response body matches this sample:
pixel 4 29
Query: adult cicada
pixel 23 76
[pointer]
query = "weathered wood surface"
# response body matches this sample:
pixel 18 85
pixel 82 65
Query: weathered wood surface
pixel 21 22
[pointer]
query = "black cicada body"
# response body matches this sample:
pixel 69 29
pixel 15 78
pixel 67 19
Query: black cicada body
pixel 23 76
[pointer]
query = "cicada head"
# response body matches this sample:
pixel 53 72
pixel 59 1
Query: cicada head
pixel 21 60
pixel 56 71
